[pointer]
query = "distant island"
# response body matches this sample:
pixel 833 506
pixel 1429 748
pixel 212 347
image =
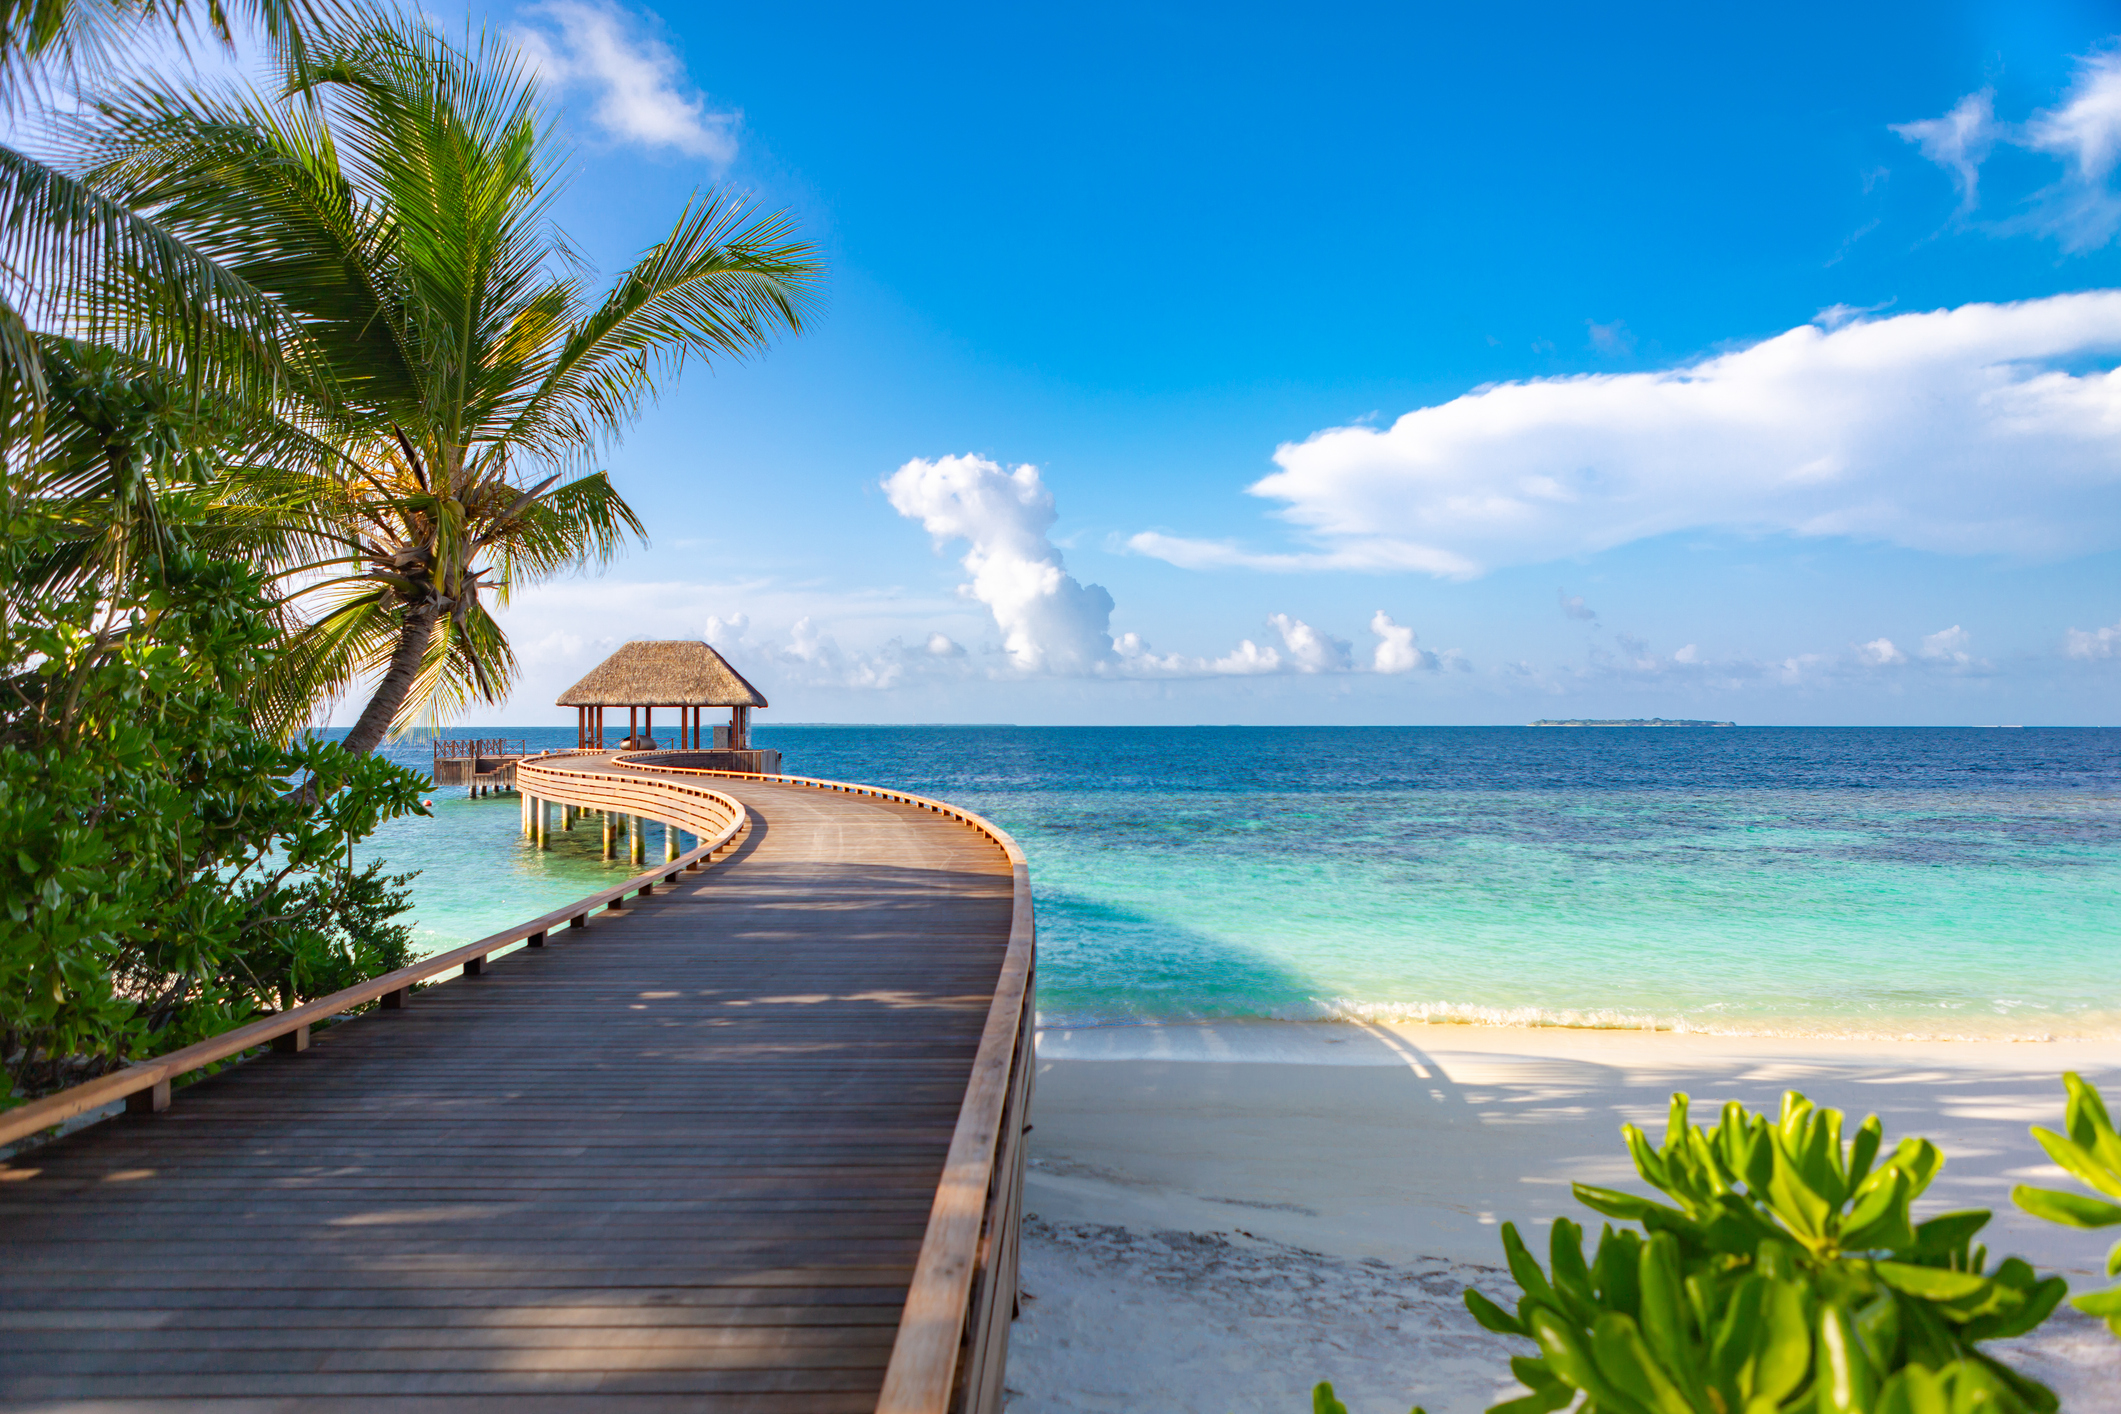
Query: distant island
pixel 1632 722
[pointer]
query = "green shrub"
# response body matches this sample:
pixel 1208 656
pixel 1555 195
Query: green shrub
pixel 160 881
pixel 1324 1402
pixel 2091 1151
pixel 1786 1273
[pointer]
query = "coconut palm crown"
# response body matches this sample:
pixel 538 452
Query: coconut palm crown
pixel 78 267
pixel 451 376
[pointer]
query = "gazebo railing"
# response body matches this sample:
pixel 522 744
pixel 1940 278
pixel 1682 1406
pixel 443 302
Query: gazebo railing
pixel 454 750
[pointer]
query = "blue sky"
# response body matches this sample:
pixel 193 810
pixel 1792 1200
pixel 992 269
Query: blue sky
pixel 1392 364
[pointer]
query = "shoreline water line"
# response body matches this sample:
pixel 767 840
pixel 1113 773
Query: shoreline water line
pixel 1457 1019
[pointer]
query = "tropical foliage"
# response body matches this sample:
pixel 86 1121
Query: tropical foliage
pixel 78 264
pixel 158 881
pixel 1786 1273
pixel 451 373
pixel 2091 1152
pixel 1324 1401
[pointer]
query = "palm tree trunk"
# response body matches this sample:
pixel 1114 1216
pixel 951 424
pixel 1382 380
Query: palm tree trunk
pixel 382 709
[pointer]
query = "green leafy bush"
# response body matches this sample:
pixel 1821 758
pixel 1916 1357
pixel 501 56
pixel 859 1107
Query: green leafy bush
pixel 1786 1273
pixel 2091 1151
pixel 1323 1401
pixel 159 880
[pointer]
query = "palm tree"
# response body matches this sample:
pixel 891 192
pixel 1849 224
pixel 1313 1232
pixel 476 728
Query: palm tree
pixel 77 264
pixel 456 375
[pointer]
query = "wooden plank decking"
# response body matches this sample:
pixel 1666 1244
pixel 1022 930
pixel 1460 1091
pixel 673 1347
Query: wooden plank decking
pixel 682 1158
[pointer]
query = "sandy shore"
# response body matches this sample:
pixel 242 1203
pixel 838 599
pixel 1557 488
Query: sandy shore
pixel 1226 1214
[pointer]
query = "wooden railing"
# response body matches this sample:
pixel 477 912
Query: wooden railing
pixel 953 1339
pixel 487 746
pixel 714 817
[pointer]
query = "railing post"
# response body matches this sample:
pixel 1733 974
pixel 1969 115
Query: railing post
pixel 293 1042
pixel 151 1101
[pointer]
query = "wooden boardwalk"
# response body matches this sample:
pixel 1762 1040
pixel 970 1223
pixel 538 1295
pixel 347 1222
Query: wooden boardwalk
pixel 681 1158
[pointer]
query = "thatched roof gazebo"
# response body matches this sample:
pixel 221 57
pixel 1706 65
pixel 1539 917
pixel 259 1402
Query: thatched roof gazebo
pixel 679 673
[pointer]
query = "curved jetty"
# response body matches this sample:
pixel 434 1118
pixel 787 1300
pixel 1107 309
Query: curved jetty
pixel 740 1133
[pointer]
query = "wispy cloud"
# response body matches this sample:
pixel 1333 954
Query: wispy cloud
pixel 1959 141
pixel 1879 664
pixel 1614 339
pixel 638 87
pixel 2081 209
pixel 1974 431
pixel 2084 133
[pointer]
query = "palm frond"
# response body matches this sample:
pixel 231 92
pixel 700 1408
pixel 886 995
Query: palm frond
pixel 50 45
pixel 76 262
pixel 582 521
pixel 723 282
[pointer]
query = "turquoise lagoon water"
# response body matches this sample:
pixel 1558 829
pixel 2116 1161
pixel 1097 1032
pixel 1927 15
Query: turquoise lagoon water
pixel 1816 881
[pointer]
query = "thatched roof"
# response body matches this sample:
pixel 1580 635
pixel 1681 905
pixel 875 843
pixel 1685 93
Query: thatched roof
pixel 663 672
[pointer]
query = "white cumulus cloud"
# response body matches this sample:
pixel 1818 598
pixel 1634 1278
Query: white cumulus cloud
pixel 1880 652
pixel 638 86
pixel 1396 650
pixel 1053 624
pixel 1246 660
pixel 1311 651
pixel 1975 430
pixel 1947 645
pixel 2096 643
pixel 1050 621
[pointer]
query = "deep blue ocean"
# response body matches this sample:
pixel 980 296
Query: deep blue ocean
pixel 1816 881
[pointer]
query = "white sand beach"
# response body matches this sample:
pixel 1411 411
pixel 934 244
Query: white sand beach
pixel 1225 1214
